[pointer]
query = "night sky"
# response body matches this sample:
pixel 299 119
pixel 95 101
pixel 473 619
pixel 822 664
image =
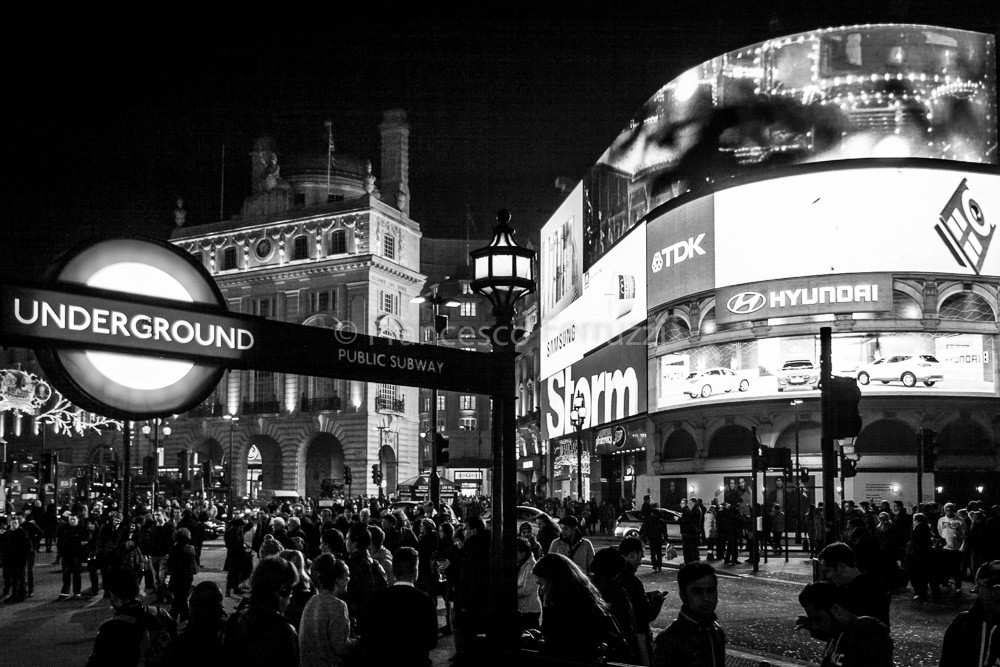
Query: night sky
pixel 109 121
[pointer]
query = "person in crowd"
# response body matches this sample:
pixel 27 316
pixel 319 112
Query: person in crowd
pixel 302 591
pixel 199 644
pixel 919 561
pixel 16 551
pixel 136 634
pixel 525 531
pixel 379 553
pixel 427 546
pixel 887 545
pixel 645 606
pixel 332 541
pixel 573 544
pixel 729 534
pixel 129 552
pixel 952 530
pixel 529 607
pixel 445 553
pixel 903 522
pixel 851 640
pixel 777 527
pixel 325 629
pixel 72 544
pixel 469 574
pixel 711 531
pixel 147 536
pixel 576 623
pixel 236 555
pixel 864 593
pixel 973 638
pixel 654 531
pixel 976 543
pixel 181 566
pixel 30 525
pixel 163 540
pixel 110 536
pixel 694 638
pixel 367 576
pixel 93 526
pixel 548 531
pixel 259 635
pixel 410 612
pixel 691 528
pixel 607 572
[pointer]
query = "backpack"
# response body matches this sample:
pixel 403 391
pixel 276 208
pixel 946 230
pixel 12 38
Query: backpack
pixel 156 631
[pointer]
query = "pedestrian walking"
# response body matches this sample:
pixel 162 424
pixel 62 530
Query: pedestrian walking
pixel 952 530
pixel 691 527
pixel 919 561
pixel 529 608
pixel 973 637
pixel 694 638
pixel 181 568
pixel 851 640
pixel 711 530
pixel 199 644
pixel 325 629
pixel 72 545
pixel 645 606
pixel 136 635
pixel 573 544
pixel 259 635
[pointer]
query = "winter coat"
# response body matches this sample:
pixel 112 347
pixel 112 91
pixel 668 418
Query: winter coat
pixel 971 639
pixel 711 525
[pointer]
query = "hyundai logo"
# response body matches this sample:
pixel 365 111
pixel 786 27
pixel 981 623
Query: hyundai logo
pixel 745 303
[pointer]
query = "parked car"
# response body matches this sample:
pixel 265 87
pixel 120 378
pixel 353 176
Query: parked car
pixel 630 523
pixel 524 513
pixel 906 368
pixel 213 529
pixel 798 373
pixel 712 381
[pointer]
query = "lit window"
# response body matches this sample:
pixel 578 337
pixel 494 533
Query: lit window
pixel 467 423
pixel 466 288
pixel 440 401
pixel 300 247
pixel 468 308
pixel 467 402
pixel 389 247
pixel 388 302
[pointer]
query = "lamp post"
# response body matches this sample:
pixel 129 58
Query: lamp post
pixel 232 419
pixel 577 417
pixel 440 324
pixel 503 273
pixel 156 451
pixel 798 480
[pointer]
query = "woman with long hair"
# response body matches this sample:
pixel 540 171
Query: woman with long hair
pixel 576 624
pixel 325 629
pixel 302 590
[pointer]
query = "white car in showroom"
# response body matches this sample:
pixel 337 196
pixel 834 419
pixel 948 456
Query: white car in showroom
pixel 906 368
pixel 713 381
pixel 798 373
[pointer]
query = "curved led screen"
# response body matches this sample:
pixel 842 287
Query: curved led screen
pixel 910 364
pixel 872 91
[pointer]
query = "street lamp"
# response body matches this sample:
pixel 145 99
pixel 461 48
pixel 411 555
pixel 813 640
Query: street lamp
pixel 798 480
pixel 156 450
pixel 503 273
pixel 577 417
pixel 440 324
pixel 232 419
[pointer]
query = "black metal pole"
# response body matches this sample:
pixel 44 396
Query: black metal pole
pixel 504 626
pixel 156 460
pixel 827 450
pixel 127 469
pixel 796 480
pixel 920 467
pixel 753 548
pixel 579 461
pixel 434 482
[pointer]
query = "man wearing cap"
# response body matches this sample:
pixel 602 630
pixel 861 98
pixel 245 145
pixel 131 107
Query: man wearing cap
pixel 573 544
pixel 973 638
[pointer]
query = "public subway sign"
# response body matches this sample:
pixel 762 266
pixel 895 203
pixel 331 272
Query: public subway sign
pixel 612 381
pixel 137 329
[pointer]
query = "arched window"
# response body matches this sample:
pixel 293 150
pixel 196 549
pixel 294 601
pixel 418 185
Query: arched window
pixel 673 329
pixel 966 307
pixel 300 247
pixel 904 307
pixel 887 436
pixel 963 436
pixel 679 445
pixel 229 258
pixel 731 441
pixel 338 242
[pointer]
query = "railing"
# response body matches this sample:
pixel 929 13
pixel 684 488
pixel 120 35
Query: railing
pixel 261 407
pixel 384 404
pixel 319 403
pixel 210 408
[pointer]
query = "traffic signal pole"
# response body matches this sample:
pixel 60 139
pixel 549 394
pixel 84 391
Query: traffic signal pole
pixel 827 450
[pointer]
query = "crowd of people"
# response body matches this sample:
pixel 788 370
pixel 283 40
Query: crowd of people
pixel 323 585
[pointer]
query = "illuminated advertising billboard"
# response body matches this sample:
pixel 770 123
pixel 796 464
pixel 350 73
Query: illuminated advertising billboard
pixel 613 300
pixel 809 244
pixel 561 257
pixel 871 91
pixel 906 364
pixel 612 380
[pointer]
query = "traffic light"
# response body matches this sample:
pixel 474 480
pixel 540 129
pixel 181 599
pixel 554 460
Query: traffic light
pixel 848 467
pixel 927 437
pixel 759 458
pixel 347 475
pixel 184 465
pixel 376 474
pixel 845 395
pixel 441 453
pixel 803 475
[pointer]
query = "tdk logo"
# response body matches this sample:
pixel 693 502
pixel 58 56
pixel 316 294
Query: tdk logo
pixel 963 228
pixel 678 252
pixel 745 303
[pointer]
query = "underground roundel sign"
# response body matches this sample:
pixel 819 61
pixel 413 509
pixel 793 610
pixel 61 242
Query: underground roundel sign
pixel 130 385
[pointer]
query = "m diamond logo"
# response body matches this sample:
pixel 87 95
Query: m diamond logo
pixel 745 303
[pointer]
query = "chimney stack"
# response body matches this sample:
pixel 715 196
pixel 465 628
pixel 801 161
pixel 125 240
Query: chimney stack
pixel 395 180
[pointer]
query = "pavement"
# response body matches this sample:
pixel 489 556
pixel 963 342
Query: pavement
pixel 758 614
